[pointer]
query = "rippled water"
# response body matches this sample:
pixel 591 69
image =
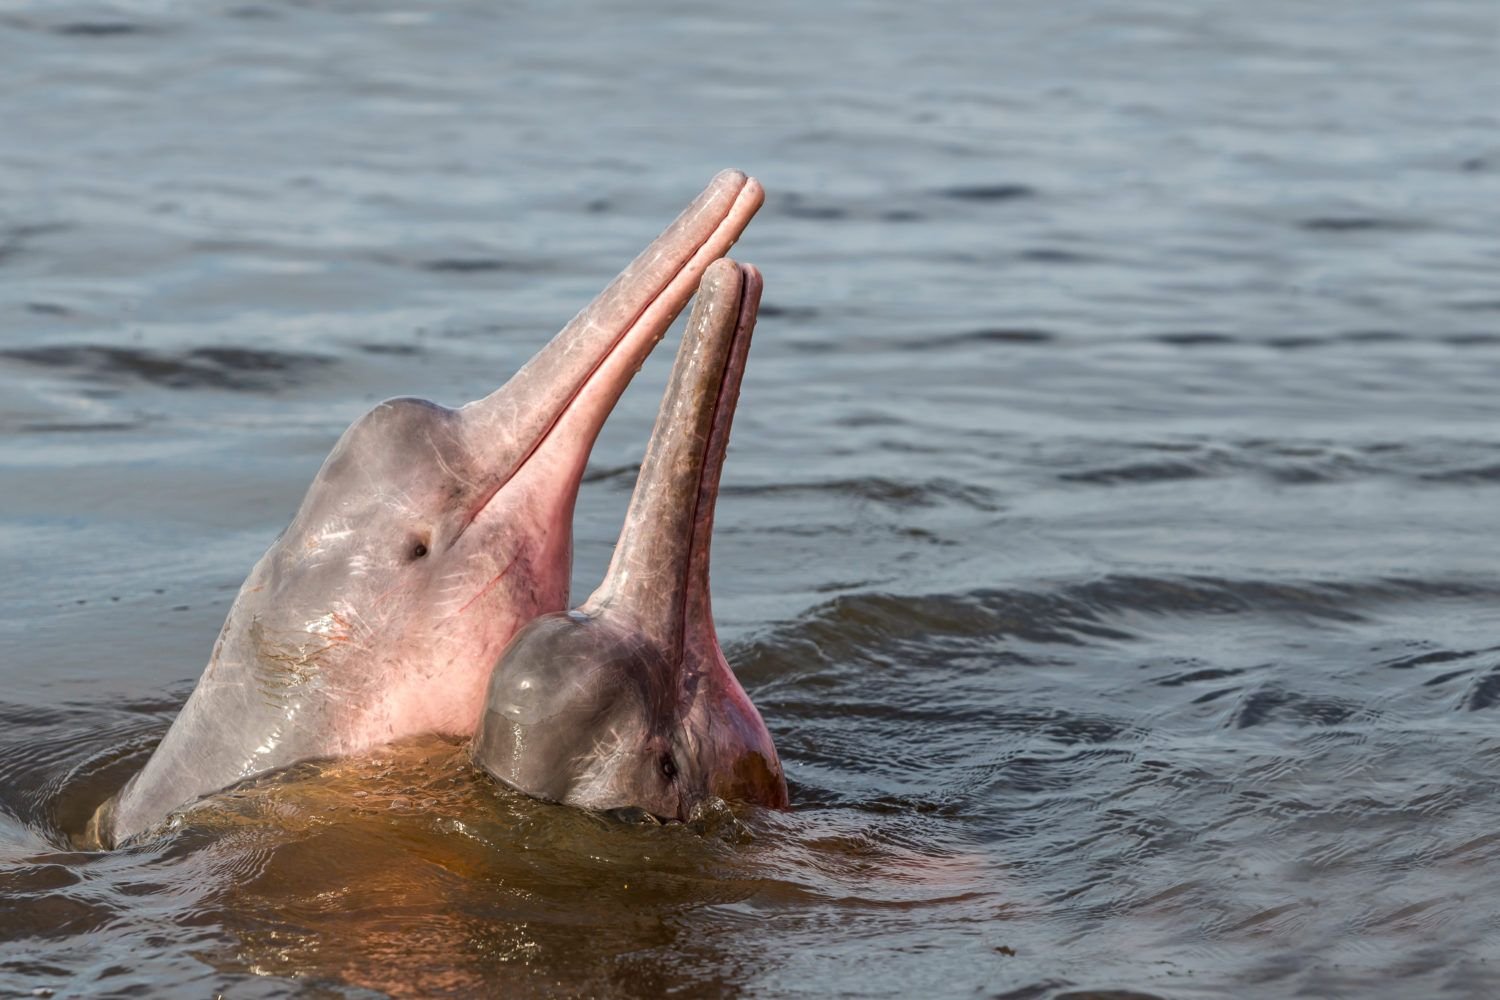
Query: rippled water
pixel 1109 537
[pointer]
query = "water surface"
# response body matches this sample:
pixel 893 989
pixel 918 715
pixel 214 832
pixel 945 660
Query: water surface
pixel 1108 538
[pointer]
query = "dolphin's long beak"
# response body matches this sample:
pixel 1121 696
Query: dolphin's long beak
pixel 630 701
pixel 659 573
pixel 553 408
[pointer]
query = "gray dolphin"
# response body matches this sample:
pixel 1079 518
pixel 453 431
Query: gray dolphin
pixel 429 536
pixel 627 702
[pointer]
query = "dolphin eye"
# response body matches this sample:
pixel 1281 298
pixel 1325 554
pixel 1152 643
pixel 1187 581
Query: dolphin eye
pixel 668 766
pixel 419 550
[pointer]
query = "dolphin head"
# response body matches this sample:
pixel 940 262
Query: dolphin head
pixel 429 536
pixel 627 702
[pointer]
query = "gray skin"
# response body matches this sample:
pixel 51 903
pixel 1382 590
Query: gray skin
pixel 627 701
pixel 428 538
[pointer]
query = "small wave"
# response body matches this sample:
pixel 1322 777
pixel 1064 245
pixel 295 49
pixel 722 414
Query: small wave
pixel 926 342
pixel 1470 476
pixel 466 265
pixel 76 427
pixel 239 369
pixel 1056 255
pixel 795 313
pixel 989 335
pixel 1195 338
pixel 987 192
pixel 99 29
pixel 1336 339
pixel 14 239
pixel 1295 463
pixel 1140 472
pixel 1271 703
pixel 1372 336
pixel 397 350
pixel 1437 656
pixel 937 627
pixel 1355 224
pixel 1484 692
pixel 102 28
pixel 57 763
pixel 898 494
pixel 895 207
pixel 1295 343
pixel 798 206
pixel 1201 674
pixel 1476 305
pixel 619 473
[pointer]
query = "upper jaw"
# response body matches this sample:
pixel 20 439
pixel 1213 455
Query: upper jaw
pixel 550 412
pixel 698 610
pixel 659 574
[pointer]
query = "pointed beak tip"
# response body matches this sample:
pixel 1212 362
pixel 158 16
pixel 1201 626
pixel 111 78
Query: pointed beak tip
pixel 754 282
pixel 747 189
pixel 717 273
pixel 753 192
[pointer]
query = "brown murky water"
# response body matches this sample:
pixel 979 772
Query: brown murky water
pixel 1109 536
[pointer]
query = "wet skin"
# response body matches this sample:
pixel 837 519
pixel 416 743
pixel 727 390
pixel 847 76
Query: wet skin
pixel 627 701
pixel 429 536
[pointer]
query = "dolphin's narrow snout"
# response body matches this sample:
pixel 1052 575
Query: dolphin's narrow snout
pixel 628 703
pixel 554 407
pixel 660 568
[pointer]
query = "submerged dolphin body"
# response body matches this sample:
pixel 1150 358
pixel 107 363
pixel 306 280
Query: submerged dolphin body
pixel 429 536
pixel 627 702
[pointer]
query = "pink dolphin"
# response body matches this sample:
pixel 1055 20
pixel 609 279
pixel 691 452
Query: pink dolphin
pixel 428 538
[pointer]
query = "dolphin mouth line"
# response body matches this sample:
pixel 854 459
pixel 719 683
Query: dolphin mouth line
pixel 749 187
pixel 716 443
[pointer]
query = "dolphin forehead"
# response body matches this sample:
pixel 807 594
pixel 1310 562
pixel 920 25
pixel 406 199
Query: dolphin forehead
pixel 562 670
pixel 571 698
pixel 405 458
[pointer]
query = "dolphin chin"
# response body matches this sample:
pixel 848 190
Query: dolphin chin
pixel 627 702
pixel 427 539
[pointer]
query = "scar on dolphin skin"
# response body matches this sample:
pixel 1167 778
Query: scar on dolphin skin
pixel 282 667
pixel 351 631
pixel 491 584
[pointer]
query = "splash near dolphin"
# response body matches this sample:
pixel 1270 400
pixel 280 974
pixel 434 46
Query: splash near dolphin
pixel 427 539
pixel 628 701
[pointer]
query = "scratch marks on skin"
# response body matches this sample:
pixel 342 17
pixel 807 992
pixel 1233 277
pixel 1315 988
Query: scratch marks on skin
pixel 594 787
pixel 321 544
pixel 437 453
pixel 377 488
pixel 213 660
pixel 328 535
pixel 289 661
pixel 453 587
pixel 490 586
pixel 341 626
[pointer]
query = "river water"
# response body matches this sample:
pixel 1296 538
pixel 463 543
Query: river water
pixel 1110 538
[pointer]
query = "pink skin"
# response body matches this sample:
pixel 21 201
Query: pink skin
pixel 628 702
pixel 428 538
